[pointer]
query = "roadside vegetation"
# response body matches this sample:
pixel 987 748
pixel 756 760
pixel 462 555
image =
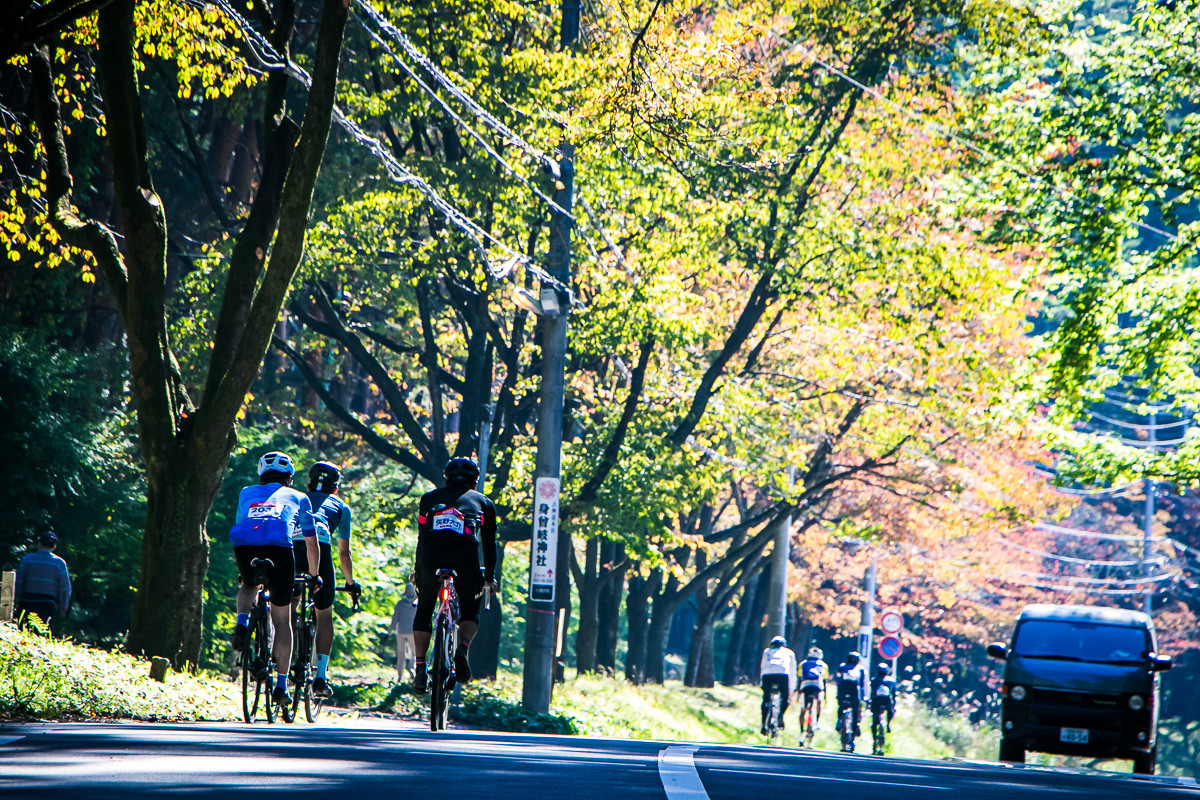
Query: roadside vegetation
pixel 49 679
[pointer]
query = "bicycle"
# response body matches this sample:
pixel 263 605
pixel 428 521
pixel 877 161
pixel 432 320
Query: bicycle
pixel 878 732
pixel 441 659
pixel 808 719
pixel 774 702
pixel 846 727
pixel 256 657
pixel 303 665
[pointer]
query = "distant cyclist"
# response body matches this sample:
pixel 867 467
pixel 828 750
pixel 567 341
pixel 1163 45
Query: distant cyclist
pixel 813 674
pixel 451 524
pixel 266 515
pixel 883 697
pixel 851 683
pixel 778 671
pixel 330 514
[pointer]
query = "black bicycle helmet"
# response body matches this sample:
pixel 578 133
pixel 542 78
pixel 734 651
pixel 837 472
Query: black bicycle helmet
pixel 778 641
pixel 461 470
pixel 883 668
pixel 853 658
pixel 323 477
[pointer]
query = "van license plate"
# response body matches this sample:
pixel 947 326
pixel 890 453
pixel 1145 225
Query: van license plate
pixel 1073 735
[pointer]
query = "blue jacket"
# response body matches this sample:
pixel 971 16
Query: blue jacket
pixel 329 514
pixel 266 515
pixel 45 574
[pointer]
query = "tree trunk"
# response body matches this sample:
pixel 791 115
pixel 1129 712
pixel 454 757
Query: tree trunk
pixel 636 608
pixel 753 644
pixel 700 659
pixel 589 609
pixel 662 610
pixel 485 647
pixel 169 602
pixel 609 609
pixel 562 604
pixel 735 672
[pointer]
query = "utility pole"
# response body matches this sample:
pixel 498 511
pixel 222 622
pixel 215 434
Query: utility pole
pixel 1148 531
pixel 540 618
pixel 780 560
pixel 868 615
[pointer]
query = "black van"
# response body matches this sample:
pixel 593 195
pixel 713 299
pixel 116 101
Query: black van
pixel 1081 681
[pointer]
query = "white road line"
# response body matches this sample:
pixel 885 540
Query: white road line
pixel 677 770
pixel 854 779
pixel 10 739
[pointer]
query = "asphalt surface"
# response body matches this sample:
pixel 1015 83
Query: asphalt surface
pixel 375 760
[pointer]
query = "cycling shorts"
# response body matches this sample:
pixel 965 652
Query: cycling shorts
pixel 279 576
pixel 811 689
pixel 468 583
pixel 324 597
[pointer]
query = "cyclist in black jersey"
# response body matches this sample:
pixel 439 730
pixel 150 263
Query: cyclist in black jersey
pixel 452 522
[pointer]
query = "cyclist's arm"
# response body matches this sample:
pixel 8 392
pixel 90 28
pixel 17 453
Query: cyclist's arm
pixel 487 538
pixel 345 561
pixel 344 558
pixel 309 530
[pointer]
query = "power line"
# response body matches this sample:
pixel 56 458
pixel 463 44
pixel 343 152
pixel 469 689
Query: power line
pixel 1044 526
pixel 1158 426
pixel 1070 559
pixel 1102 581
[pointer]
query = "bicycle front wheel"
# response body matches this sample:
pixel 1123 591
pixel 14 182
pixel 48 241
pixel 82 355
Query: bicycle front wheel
pixel 312 703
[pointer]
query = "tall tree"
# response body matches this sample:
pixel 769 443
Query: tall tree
pixel 185 440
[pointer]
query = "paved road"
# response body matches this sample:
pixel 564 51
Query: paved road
pixel 378 761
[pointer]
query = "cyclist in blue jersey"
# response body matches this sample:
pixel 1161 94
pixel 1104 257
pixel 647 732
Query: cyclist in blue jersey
pixel 265 517
pixel 330 514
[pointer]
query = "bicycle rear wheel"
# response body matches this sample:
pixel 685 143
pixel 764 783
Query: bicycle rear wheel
pixel 437 676
pixel 263 659
pixel 773 715
pixel 848 731
pixel 252 670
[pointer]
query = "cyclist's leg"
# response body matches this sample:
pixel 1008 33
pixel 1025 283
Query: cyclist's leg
pixel 282 579
pixel 324 603
pixel 468 583
pixel 427 591
pixel 765 707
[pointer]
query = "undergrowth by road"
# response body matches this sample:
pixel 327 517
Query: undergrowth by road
pixel 49 679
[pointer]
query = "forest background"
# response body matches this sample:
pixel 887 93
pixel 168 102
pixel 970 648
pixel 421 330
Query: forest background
pixel 908 278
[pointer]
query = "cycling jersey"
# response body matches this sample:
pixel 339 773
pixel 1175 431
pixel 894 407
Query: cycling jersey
pixel 439 528
pixel 813 672
pixel 267 513
pixel 329 514
pixel 779 661
pixel 452 523
pixel 851 682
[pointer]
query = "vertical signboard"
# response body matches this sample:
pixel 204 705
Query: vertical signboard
pixel 544 546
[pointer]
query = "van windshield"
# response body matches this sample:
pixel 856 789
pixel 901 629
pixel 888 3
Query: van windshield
pixel 1081 641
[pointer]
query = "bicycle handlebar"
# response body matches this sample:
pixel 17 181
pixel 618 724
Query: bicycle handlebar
pixel 355 592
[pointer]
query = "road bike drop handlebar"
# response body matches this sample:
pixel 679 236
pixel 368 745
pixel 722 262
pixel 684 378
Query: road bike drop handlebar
pixel 314 582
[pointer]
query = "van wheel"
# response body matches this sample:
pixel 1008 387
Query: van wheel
pixel 1143 763
pixel 1012 751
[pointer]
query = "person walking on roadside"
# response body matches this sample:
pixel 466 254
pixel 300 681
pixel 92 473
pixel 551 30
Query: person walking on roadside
pixel 43 587
pixel 402 623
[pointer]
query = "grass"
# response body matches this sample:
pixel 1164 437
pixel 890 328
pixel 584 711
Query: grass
pixel 43 678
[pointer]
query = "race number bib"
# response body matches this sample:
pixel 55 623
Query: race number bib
pixel 449 520
pixel 268 509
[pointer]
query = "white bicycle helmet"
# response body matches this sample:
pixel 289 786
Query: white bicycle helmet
pixel 815 652
pixel 276 462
